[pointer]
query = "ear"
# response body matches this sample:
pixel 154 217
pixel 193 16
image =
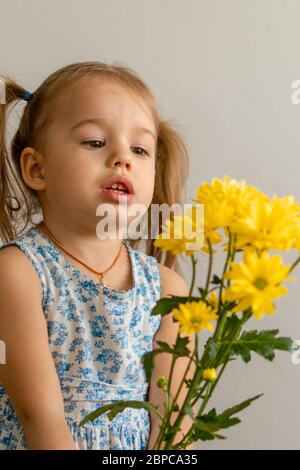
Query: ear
pixel 33 168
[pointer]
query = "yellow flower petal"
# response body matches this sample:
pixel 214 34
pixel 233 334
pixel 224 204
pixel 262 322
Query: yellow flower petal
pixel 194 316
pixel 255 282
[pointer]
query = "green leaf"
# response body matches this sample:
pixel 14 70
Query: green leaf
pixel 216 280
pixel 206 436
pixel 118 407
pixel 166 304
pixel 241 406
pixel 211 422
pixel 231 326
pixel 178 350
pixel 207 425
pixel 202 292
pixel 148 362
pixel 176 407
pixel 181 346
pixel 263 343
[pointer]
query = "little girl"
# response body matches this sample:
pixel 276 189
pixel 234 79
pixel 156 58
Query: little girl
pixel 75 309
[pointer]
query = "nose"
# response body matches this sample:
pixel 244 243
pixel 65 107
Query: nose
pixel 121 159
pixel 121 163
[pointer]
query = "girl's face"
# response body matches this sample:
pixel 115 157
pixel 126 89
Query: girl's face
pixel 80 156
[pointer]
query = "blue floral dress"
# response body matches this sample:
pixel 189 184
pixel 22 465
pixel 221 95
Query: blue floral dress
pixel 97 337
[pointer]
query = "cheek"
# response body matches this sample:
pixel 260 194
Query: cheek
pixel 151 178
pixel 147 187
pixel 75 169
pixel 67 180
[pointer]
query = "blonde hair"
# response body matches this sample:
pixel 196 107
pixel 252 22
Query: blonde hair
pixel 172 159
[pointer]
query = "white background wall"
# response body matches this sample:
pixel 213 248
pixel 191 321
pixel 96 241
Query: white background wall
pixel 222 70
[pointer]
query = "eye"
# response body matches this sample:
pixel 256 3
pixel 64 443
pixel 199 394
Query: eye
pixel 94 142
pixel 97 144
pixel 143 150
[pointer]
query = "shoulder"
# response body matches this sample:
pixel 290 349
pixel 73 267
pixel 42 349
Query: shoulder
pixel 17 271
pixel 10 254
pixel 172 282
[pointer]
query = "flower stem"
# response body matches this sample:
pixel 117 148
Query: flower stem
pixel 181 414
pixel 167 413
pixel 222 318
pixel 212 386
pixel 210 262
pixel 294 264
pixel 166 422
pixel 194 262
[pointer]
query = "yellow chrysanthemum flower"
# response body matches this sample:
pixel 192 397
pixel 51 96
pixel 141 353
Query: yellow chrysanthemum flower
pixel 227 188
pixel 255 282
pixel 224 202
pixel 183 232
pixel 227 199
pixel 270 224
pixel 194 316
pixel 210 225
pixel 209 374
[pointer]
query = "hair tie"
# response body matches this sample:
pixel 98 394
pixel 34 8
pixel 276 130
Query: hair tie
pixel 27 95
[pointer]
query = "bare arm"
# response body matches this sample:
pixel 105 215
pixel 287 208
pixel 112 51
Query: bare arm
pixel 172 283
pixel 29 375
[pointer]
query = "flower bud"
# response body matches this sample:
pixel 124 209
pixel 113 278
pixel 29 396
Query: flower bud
pixel 209 374
pixel 162 381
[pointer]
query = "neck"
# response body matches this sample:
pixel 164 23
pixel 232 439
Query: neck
pixel 99 254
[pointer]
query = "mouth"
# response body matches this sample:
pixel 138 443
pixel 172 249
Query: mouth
pixel 118 188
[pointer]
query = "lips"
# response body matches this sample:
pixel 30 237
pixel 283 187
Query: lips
pixel 117 179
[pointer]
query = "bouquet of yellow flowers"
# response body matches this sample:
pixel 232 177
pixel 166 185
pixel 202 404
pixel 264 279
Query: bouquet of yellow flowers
pixel 251 225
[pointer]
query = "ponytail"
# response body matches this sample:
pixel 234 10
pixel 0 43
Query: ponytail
pixel 14 202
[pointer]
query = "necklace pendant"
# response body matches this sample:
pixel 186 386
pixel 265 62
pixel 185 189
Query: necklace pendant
pixel 102 281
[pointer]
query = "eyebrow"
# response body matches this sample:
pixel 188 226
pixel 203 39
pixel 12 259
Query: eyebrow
pixel 99 121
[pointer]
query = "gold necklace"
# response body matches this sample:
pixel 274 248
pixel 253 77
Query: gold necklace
pixel 100 274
